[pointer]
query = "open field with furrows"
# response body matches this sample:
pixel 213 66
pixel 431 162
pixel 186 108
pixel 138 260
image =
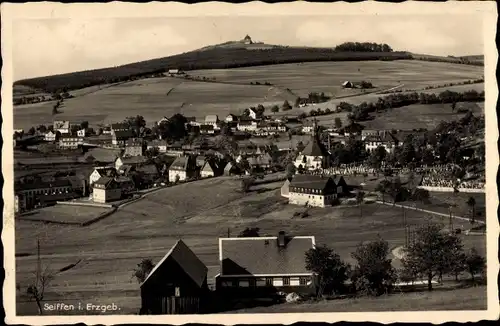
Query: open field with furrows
pixel 106 252
pixel 417 116
pixel 327 77
pixel 152 98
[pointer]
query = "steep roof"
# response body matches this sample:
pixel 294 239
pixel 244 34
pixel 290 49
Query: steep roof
pixel 315 148
pixel 211 118
pixel 186 259
pixel 102 155
pixel 130 160
pixel 180 164
pixel 104 181
pixel 123 134
pixel 254 256
pixel 310 181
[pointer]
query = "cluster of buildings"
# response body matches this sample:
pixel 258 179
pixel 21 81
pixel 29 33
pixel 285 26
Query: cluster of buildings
pixel 248 268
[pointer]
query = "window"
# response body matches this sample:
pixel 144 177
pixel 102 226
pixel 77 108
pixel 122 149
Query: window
pixel 269 281
pixel 286 281
pixel 303 281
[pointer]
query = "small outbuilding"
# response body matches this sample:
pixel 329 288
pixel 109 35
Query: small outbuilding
pixel 347 84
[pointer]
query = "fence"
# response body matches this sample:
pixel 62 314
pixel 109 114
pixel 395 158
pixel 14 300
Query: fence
pixel 180 305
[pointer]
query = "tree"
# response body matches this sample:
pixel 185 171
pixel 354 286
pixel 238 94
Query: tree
pixel 275 109
pixel 383 188
pixel 290 170
pixel 249 233
pixel 338 123
pixel 421 195
pixel 84 125
pixel 152 152
pixel 377 156
pixel 143 269
pixel 297 102
pixel 177 178
pixel 31 131
pixel 41 128
pixel 395 189
pixel 135 123
pixel 476 264
pixel 300 146
pixel 286 106
pixel 429 255
pixel 471 202
pixel 36 289
pixel 453 106
pixel 328 268
pixel 260 110
pixel 373 273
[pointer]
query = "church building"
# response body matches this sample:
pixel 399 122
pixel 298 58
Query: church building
pixel 315 155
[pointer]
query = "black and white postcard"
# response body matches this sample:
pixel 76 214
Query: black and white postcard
pixel 249 163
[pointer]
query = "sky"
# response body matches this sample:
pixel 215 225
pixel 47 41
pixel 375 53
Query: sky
pixel 52 46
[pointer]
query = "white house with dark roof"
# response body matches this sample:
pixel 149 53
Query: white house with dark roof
pixel 265 265
pixel 384 138
pixel 315 190
pixel 105 190
pixel 101 172
pixel 212 119
pixel 64 127
pixel 183 168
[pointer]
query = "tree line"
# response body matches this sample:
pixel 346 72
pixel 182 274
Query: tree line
pixel 363 47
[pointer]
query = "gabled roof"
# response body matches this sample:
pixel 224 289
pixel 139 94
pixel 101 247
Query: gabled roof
pixel 208 167
pixel 148 169
pixel 262 256
pixel 180 164
pixel 186 259
pixel 102 155
pixel 211 118
pixel 124 134
pixel 130 160
pixel 315 148
pixel 310 181
pixel 105 181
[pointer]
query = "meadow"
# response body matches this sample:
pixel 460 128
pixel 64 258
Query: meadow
pixel 105 253
pixel 66 214
pixel 154 98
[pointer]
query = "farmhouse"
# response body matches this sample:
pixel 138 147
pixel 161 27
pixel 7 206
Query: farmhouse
pixel 101 155
pixel 208 170
pixel 69 142
pixel 125 184
pixel 106 190
pixel 160 144
pixel 212 120
pixel 134 147
pixel 64 127
pixel 81 133
pixel 263 266
pixel 99 172
pixel 149 173
pixel 347 84
pixel 207 129
pixel 130 160
pixel 182 169
pixel 385 139
pixel 368 132
pixel 314 156
pixel 176 285
pixel 312 190
pixel 50 136
pixel 247 125
pixel 121 136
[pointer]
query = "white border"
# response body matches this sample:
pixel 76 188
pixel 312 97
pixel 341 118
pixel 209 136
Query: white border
pixel 116 9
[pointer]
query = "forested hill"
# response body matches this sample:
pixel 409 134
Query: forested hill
pixel 214 58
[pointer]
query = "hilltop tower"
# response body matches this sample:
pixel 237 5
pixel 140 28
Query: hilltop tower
pixel 247 40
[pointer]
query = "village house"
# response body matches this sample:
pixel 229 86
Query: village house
pixel 119 127
pixel 81 133
pixel 176 285
pixel 208 170
pixel 347 84
pixel 99 172
pixel 101 156
pixel 50 136
pixel 106 130
pixel 69 142
pixel 207 130
pixel 260 161
pixel 314 156
pixel 312 190
pixel 247 125
pixel 160 144
pixel 130 160
pixel 212 120
pixel 64 127
pixel 231 169
pixel 174 72
pixel 162 120
pixel 385 139
pixel 368 132
pixel 247 40
pixel 126 184
pixel 182 168
pixel 149 173
pixel 106 190
pixel 27 194
pixel 231 118
pixel 252 113
pixel 263 266
pixel 134 147
pixel 121 136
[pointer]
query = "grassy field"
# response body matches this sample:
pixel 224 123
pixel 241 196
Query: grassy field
pixel 109 249
pixel 472 298
pixel 66 214
pixel 157 97
pixel 417 116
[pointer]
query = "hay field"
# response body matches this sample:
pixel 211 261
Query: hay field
pixel 327 77
pixel 418 116
pixel 198 213
pixel 152 98
pixel 67 214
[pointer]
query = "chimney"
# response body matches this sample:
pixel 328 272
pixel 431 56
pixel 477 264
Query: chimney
pixel 281 239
